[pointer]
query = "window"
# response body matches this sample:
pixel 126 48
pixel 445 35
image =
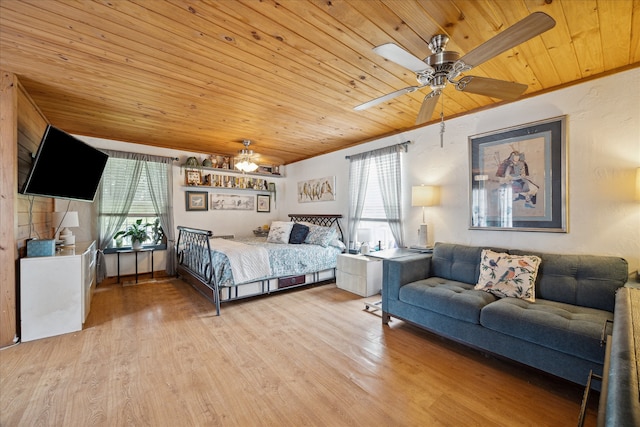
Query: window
pixel 375 198
pixel 373 226
pixel 135 186
pixel 119 179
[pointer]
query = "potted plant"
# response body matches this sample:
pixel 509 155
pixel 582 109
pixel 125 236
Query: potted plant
pixel 138 233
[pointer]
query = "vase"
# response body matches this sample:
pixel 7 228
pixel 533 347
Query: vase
pixel 136 245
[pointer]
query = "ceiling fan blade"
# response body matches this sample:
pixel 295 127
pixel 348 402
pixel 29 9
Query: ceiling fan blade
pixel 491 87
pixel 531 26
pixel 428 105
pixel 386 97
pixel 395 53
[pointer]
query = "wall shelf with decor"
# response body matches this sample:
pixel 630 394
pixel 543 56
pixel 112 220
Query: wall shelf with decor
pixel 236 172
pixel 225 165
pixel 195 179
pixel 211 188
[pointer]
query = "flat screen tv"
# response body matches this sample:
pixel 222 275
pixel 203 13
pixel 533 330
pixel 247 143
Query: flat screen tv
pixel 65 168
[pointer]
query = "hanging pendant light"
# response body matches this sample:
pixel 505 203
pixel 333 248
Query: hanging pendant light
pixel 244 161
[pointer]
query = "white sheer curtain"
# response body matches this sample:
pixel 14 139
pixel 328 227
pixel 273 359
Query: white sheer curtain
pixel 160 179
pixel 388 164
pixel 358 179
pixel 389 167
pixel 118 190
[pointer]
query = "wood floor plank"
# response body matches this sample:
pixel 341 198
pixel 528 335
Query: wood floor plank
pixel 156 354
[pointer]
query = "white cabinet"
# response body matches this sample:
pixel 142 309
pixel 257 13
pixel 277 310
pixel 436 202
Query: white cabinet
pixel 55 292
pixel 359 274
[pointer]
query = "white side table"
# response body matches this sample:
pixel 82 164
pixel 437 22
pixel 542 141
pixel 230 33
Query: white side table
pixel 359 274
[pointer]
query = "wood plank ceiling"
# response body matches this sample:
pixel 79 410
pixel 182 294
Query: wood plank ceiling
pixel 203 75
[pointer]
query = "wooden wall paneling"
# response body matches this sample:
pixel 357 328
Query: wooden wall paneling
pixel 8 252
pixel 21 127
pixel 33 213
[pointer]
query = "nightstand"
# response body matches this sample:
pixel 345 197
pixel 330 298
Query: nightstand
pixel 359 274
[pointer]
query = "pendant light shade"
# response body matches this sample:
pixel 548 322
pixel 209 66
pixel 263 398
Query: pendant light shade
pixel 244 161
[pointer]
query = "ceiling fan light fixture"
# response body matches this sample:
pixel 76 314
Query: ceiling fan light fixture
pixel 244 161
pixel 444 66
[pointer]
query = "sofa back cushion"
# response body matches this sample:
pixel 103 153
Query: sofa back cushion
pixel 584 280
pixel 456 262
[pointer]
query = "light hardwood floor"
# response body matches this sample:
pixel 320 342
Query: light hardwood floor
pixel 155 354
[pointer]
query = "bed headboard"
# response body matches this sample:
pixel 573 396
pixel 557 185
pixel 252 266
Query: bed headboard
pixel 325 220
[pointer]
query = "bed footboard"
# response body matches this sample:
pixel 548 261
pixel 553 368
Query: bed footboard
pixel 195 265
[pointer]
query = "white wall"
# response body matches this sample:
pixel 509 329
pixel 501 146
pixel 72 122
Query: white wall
pixel 603 150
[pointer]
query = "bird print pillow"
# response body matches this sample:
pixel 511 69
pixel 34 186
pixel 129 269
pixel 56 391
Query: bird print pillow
pixel 506 275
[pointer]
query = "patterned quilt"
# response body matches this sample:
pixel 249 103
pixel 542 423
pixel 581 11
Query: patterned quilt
pixel 284 259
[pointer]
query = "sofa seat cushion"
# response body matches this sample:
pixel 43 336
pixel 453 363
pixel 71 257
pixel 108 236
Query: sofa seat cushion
pixel 562 327
pixel 447 297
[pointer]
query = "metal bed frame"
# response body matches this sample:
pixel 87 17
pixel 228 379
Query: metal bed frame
pixel 195 265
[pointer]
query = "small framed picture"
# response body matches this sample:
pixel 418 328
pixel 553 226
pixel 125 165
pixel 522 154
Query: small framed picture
pixel 193 177
pixel 267 169
pixel 264 203
pixel 197 200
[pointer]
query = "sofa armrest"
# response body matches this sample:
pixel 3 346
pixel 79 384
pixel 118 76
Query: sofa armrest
pixel 622 406
pixel 398 272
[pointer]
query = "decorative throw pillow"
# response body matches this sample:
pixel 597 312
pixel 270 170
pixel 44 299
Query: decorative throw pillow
pixel 279 232
pixel 507 275
pixel 298 234
pixel 319 235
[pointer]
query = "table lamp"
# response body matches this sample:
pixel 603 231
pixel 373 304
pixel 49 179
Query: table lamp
pixel 64 220
pixel 424 196
pixel 364 237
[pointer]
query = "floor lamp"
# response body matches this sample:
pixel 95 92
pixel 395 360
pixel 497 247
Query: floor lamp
pixel 424 196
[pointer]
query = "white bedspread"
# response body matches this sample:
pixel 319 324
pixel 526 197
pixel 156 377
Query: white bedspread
pixel 247 262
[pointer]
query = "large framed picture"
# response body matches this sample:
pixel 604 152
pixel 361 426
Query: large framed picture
pixel 518 178
pixel 264 203
pixel 197 200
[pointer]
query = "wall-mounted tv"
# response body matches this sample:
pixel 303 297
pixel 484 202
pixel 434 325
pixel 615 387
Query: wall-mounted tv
pixel 65 168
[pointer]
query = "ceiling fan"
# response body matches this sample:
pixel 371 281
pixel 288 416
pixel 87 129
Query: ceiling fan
pixel 444 66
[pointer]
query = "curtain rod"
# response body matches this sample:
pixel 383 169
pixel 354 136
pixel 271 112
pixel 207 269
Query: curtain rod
pixel 402 144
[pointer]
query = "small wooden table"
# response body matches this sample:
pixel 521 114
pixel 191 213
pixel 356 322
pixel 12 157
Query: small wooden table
pixel 135 251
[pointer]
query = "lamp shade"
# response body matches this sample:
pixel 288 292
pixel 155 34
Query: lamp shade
pixel 65 219
pixel 424 195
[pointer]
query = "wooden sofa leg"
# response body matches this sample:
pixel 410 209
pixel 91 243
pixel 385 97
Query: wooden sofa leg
pixel 385 318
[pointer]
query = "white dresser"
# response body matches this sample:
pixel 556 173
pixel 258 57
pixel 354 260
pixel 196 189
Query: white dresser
pixel 359 274
pixel 55 292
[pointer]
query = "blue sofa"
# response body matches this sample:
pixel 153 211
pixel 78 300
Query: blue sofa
pixel 559 333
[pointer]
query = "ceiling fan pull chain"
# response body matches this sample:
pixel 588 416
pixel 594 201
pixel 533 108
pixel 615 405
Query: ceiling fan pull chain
pixel 442 124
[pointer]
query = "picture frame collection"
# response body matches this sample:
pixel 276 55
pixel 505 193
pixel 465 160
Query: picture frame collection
pixel 199 201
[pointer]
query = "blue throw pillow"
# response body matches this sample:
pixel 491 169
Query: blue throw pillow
pixel 298 234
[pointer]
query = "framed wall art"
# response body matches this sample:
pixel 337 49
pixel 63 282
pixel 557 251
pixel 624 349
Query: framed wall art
pixel 193 177
pixel 317 190
pixel 196 200
pixel 518 178
pixel 232 202
pixel 264 203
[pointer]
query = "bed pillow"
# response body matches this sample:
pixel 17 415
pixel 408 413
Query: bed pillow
pixel 337 243
pixel 279 232
pixel 505 275
pixel 298 234
pixel 319 235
